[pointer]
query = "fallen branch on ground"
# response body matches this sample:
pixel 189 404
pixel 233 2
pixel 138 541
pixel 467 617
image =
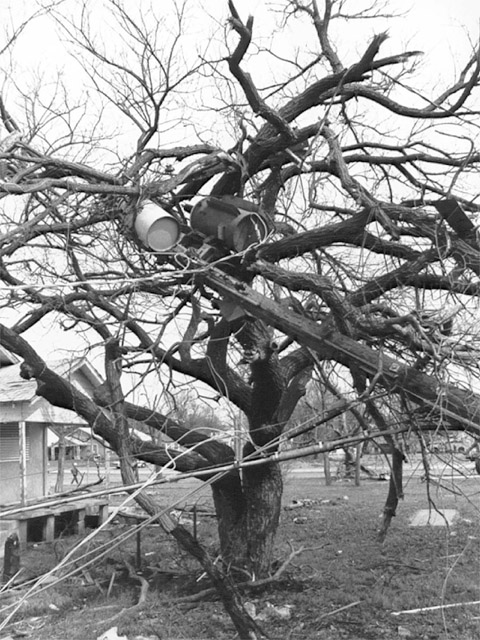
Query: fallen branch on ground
pixel 141 600
pixel 436 607
pixel 335 611
pixel 250 584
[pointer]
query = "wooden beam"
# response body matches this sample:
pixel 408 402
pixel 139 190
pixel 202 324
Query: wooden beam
pixel 459 406
pixel 452 212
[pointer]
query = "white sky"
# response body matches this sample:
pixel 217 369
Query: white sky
pixel 445 30
pixel 437 27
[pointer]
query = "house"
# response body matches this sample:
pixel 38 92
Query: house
pixel 25 419
pixel 79 442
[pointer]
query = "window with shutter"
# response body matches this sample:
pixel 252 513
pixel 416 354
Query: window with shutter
pixel 9 445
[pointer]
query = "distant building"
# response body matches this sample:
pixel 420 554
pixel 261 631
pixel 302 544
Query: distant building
pixel 79 442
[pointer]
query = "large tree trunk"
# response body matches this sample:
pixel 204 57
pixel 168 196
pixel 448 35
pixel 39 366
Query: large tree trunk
pixel 229 504
pixel 248 520
pixel 263 486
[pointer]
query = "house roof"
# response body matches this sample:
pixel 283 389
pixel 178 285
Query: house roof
pixel 19 402
pixel 76 435
pixel 13 388
pixel 6 357
pixel 70 441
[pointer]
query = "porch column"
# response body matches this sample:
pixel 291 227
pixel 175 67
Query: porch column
pixel 45 461
pixel 22 450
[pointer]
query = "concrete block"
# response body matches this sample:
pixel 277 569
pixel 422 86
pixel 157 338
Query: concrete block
pixel 440 518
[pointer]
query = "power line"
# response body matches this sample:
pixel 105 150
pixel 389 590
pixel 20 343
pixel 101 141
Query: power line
pixel 219 470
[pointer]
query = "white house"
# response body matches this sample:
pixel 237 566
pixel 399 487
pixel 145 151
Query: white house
pixel 25 419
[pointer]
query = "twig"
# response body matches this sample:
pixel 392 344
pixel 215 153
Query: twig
pixel 250 584
pixel 141 600
pixel 144 589
pixel 110 584
pixel 335 611
pixel 436 607
pixel 10 582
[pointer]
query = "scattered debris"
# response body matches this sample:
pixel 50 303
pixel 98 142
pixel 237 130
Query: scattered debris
pixel 279 612
pixel 403 632
pixel 297 503
pixel 112 634
pixel 270 611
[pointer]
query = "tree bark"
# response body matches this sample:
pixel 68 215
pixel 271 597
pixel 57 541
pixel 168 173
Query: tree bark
pixel 395 492
pixel 263 488
pixel 230 505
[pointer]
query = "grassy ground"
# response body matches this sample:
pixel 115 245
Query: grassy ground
pixel 344 585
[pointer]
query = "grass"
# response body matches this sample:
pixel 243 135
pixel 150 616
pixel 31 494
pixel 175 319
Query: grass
pixel 342 565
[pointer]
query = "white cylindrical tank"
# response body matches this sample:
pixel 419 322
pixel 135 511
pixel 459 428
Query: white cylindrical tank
pixel 157 229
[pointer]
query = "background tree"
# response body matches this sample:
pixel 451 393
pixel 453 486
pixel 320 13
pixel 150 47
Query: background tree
pixel 368 265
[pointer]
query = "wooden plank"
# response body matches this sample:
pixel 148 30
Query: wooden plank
pixel 59 508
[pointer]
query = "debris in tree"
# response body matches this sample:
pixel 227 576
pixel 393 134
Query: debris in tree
pixel 452 212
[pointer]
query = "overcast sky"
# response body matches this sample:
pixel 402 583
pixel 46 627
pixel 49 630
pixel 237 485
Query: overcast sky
pixel 445 30
pixel 437 27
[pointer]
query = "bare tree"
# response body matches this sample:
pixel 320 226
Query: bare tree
pixel 371 260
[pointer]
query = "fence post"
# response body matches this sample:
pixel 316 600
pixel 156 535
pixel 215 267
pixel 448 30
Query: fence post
pixel 326 468
pixel 11 561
